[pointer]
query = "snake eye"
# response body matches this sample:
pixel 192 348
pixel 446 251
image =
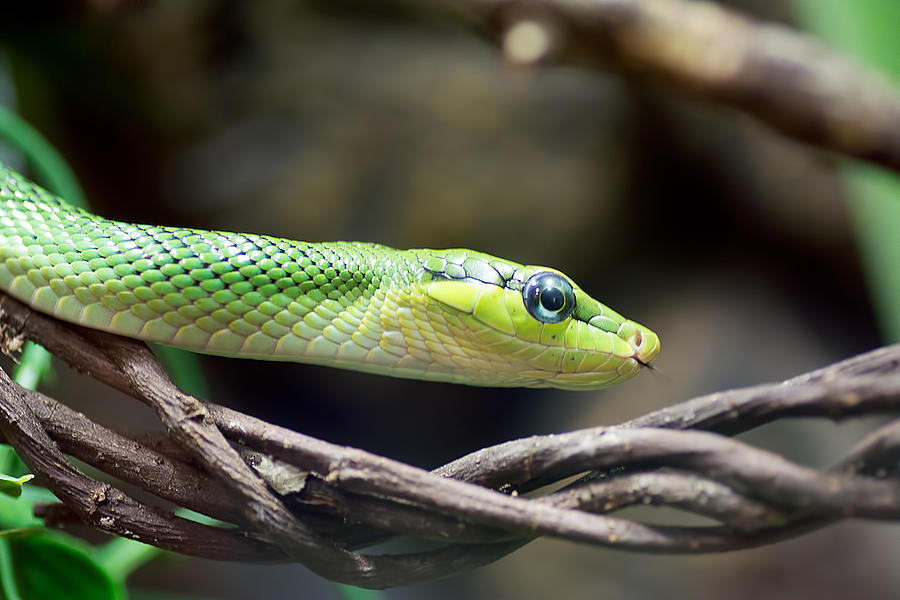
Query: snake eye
pixel 548 297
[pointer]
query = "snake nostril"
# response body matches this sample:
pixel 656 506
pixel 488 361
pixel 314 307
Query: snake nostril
pixel 638 339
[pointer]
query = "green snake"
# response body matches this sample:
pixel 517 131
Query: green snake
pixel 443 315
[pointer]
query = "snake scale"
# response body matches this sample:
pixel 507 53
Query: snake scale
pixel 444 315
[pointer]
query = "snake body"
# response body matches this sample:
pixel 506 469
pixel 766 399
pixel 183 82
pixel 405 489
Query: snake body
pixel 446 315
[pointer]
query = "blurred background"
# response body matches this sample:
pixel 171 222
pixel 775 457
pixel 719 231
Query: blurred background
pixel 392 122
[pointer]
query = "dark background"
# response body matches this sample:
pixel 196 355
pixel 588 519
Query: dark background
pixel 391 122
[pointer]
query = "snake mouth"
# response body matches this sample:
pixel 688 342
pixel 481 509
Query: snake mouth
pixel 644 342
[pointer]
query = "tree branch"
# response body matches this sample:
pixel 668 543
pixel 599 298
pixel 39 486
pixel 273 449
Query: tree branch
pixel 788 80
pixel 757 496
pixel 106 508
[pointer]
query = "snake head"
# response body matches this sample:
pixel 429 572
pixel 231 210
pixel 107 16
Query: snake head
pixel 532 326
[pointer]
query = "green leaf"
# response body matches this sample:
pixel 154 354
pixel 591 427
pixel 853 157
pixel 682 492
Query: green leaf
pixel 12 486
pixel 34 367
pixel 10 461
pixel 349 592
pixel 184 368
pixel 121 557
pixel 19 512
pixel 20 533
pixel 867 30
pixel 8 588
pixel 51 167
pixel 47 568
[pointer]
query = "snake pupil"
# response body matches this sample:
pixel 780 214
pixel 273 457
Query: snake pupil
pixel 553 299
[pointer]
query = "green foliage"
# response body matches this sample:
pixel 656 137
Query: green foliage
pixel 184 368
pixel 37 564
pixel 12 486
pixel 49 566
pixel 349 592
pixel 51 167
pixel 867 30
pixel 34 367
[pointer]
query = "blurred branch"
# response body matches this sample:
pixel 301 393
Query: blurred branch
pixel 787 79
pixel 294 497
pixel 101 505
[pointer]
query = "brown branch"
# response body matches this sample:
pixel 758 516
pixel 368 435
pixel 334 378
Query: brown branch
pixel 878 454
pixel 866 384
pixel 786 79
pixel 759 497
pixel 676 490
pixel 129 461
pixel 107 508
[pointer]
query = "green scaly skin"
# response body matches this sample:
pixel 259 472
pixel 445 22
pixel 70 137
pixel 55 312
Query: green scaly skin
pixel 442 315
